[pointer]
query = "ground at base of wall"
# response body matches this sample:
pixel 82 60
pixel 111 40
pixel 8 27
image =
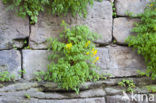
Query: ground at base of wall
pixel 103 91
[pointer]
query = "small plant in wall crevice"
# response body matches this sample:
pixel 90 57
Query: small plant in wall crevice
pixel 5 76
pixel 128 84
pixel 72 59
pixel 145 40
pixel 114 9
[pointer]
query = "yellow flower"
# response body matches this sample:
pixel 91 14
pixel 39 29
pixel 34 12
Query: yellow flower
pixel 97 58
pixel 150 5
pixel 87 53
pixel 69 45
pixel 93 49
pixel 94 52
pixel 88 43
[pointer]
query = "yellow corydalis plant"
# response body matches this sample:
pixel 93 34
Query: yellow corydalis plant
pixel 71 59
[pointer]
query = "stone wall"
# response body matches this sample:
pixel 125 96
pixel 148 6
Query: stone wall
pixel 116 58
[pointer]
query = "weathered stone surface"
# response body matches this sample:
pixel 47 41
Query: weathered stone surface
pixel 19 90
pixel 50 86
pixel 22 100
pixel 97 92
pixel 13 29
pixel 104 58
pixel 134 6
pixel 10 60
pixel 141 89
pixel 130 98
pixel 67 95
pixel 34 61
pixel 143 81
pixel 87 100
pixel 117 99
pixel 46 27
pixel 119 61
pixel 113 91
pixel 15 93
pixel 124 98
pixel 12 100
pixel 125 61
pixel 127 98
pixel 99 19
pixel 37 91
pixel 122 29
pixel 99 83
pixel 18 87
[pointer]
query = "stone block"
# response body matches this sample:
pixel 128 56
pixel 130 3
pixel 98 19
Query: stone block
pixel 122 28
pixel 34 61
pixel 119 61
pixel 13 29
pixel 10 60
pixel 134 6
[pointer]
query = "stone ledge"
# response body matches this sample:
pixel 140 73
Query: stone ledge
pixel 21 100
pixel 36 90
pixel 52 87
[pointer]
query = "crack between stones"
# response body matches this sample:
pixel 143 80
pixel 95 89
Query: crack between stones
pixel 124 45
pixel 68 98
pixel 112 27
pixel 5 49
pixel 29 31
pixel 135 76
pixel 125 16
pixel 106 98
pixel 116 44
pixel 22 75
pixel 25 45
pixel 102 45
